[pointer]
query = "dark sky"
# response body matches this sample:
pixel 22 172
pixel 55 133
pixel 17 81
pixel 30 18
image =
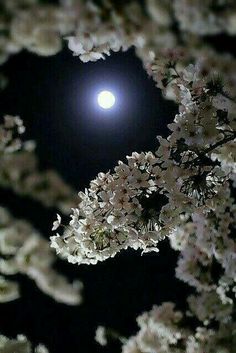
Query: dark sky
pixel 55 97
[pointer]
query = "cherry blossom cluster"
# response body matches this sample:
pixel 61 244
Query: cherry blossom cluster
pixel 19 170
pixel 28 24
pixel 141 202
pixel 23 250
pixel 206 262
pixel 110 216
pixel 106 28
pixel 207 244
pixel 206 18
pixel 20 344
pixel 164 329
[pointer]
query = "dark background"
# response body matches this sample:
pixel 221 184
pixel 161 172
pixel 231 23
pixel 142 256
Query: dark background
pixel 55 98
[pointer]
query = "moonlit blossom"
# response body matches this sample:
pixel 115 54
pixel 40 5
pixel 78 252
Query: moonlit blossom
pixel 183 190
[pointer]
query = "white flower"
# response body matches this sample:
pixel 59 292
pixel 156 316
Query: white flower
pixel 57 223
pixel 100 336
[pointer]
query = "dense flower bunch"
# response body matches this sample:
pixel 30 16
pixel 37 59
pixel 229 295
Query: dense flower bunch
pixel 110 215
pixel 163 330
pixel 206 262
pixel 20 344
pixel 206 18
pixel 207 245
pixel 28 24
pixel 204 242
pixel 23 250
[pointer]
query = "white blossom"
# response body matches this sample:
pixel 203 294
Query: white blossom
pixel 100 336
pixel 19 345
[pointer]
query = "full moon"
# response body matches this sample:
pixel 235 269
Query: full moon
pixel 106 99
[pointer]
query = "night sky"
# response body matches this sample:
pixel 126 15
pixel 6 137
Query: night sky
pixel 56 99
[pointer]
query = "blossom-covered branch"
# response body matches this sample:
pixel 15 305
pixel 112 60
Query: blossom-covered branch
pixel 23 250
pixel 141 202
pixel 206 262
